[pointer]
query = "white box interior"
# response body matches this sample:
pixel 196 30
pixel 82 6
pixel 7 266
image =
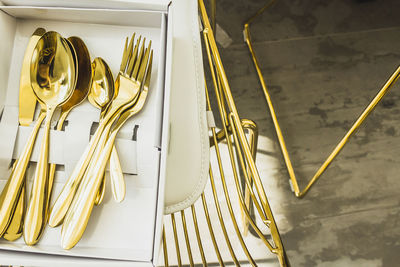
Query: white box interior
pixel 116 230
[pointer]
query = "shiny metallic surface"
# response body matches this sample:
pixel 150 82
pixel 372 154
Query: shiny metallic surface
pixel 14 230
pixel 101 94
pixel 102 90
pixel 82 86
pixel 222 85
pixel 26 111
pixel 53 78
pixel 102 79
pixel 11 193
pixel 27 99
pixel 52 70
pixel 79 212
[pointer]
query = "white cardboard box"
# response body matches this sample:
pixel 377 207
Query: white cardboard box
pixel 126 233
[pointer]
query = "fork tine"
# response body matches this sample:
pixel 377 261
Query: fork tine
pixel 138 61
pixel 127 54
pixel 148 72
pixel 130 49
pixel 144 64
pixel 134 57
pixel 124 56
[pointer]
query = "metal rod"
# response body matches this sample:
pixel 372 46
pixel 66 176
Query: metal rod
pixel 185 231
pixel 210 229
pixel 165 248
pixel 209 40
pixel 178 252
pixel 220 167
pixel 196 227
pixel 392 80
pixel 221 220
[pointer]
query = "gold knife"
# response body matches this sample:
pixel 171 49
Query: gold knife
pixel 27 105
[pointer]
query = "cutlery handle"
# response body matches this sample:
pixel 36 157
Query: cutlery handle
pixel 117 176
pixel 66 196
pixel 52 167
pixel 101 192
pixel 35 218
pixel 102 189
pixel 78 215
pixel 14 230
pixel 10 193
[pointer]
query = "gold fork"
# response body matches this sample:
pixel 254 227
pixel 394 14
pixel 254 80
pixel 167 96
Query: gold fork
pixel 79 213
pixel 127 95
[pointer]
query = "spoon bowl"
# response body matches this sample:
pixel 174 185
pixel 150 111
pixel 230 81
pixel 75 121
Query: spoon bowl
pixel 52 70
pixel 101 94
pixel 84 75
pixel 102 91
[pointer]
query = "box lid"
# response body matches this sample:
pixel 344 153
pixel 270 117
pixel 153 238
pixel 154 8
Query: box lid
pixel 158 5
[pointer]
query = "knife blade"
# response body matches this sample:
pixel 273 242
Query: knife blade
pixel 27 106
pixel 27 99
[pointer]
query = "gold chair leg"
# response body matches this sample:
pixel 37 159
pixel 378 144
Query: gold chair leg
pixel 214 14
pixel 293 180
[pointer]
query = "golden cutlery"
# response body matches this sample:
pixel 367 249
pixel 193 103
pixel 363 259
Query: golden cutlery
pixel 127 95
pixel 14 230
pixel 102 76
pixel 27 99
pixel 100 96
pixel 12 190
pixel 83 83
pixel 53 80
pixel 26 112
pixel 79 213
pixel 116 177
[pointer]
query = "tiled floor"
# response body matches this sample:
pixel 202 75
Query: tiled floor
pixel 323 62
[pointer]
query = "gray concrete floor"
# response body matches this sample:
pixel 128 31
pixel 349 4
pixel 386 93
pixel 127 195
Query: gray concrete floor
pixel 323 62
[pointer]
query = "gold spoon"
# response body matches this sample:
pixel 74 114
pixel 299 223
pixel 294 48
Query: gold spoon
pixel 15 228
pixel 102 78
pixel 83 84
pixel 53 80
pixel 27 104
pixel 100 96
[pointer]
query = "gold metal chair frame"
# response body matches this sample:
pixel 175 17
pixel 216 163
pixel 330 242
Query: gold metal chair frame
pixel 245 174
pixel 294 184
pixel 242 151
